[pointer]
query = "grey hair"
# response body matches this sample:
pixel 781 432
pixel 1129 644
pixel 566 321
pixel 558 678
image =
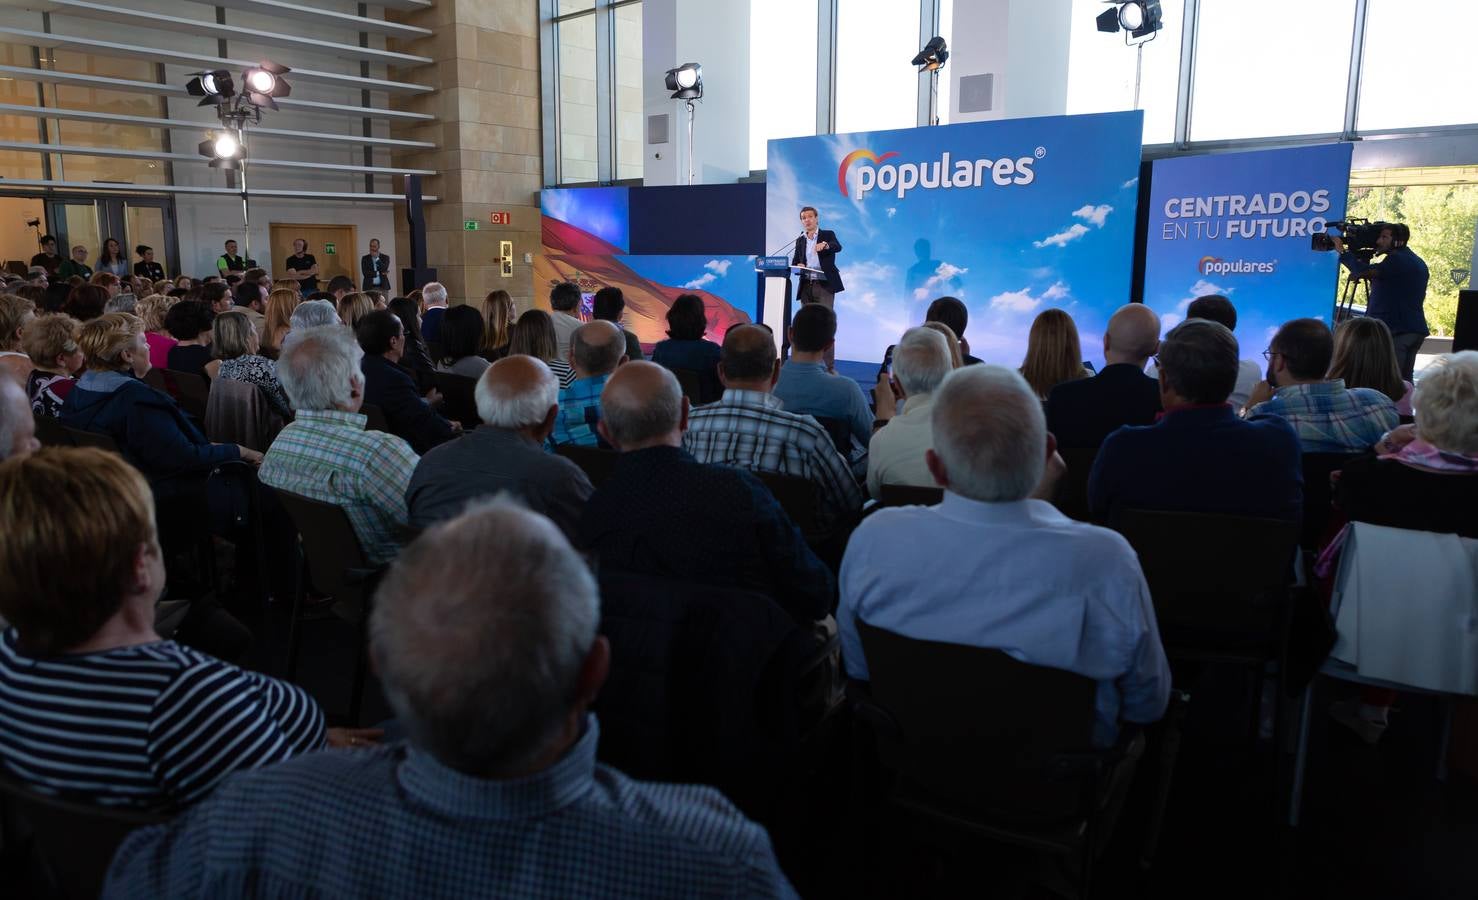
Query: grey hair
pixel 661 414
pixel 13 403
pixel 121 303
pixel 500 407
pixel 921 360
pixel 1446 402
pixel 481 661
pixel 313 314
pixel 434 294
pixel 597 359
pixel 318 367
pixel 230 335
pixel 1200 359
pixel 990 433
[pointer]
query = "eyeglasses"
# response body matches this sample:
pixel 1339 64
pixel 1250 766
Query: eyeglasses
pixel 1269 354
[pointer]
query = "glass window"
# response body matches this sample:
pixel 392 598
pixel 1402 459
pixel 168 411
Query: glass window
pixel 573 6
pixel 1266 68
pixel 1412 50
pixel 629 131
pixel 876 88
pixel 782 73
pixel 17 235
pixel 1100 69
pixel 19 129
pixel 576 64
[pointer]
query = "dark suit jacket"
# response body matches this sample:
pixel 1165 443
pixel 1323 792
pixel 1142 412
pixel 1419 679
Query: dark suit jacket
pixel 392 389
pixel 827 257
pixel 1084 411
pixel 368 267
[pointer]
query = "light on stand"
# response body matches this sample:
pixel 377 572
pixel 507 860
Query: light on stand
pixel 931 59
pixel 686 84
pixel 1140 21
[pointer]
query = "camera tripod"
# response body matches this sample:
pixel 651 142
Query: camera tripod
pixel 1343 310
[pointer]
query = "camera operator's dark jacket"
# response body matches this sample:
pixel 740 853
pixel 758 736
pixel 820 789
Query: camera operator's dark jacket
pixel 1397 289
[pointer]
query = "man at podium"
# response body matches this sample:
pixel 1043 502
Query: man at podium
pixel 817 248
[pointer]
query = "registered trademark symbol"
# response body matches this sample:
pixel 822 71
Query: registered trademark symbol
pixel 1041 152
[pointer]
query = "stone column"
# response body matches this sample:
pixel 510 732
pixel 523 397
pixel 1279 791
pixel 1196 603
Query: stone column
pixel 487 131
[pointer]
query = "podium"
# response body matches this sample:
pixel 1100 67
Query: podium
pixel 775 296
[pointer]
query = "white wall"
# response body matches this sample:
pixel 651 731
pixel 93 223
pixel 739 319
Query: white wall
pixel 715 35
pixel 1029 56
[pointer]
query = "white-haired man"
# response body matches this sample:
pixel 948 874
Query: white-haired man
pixel 433 299
pixel 1005 570
pixel 491 665
pixel 326 453
pixel 896 456
pixel 517 402
pixel 313 314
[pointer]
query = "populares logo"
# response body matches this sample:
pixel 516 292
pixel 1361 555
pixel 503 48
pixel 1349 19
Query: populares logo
pixel 1215 265
pixel 872 172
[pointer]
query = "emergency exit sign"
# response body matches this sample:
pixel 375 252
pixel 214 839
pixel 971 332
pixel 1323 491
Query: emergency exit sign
pixel 469 224
pixel 328 247
pixel 501 218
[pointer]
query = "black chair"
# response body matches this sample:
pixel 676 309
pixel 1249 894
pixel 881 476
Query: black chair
pixel 799 497
pixel 190 391
pixel 374 418
pixel 976 744
pixel 71 844
pixel 598 464
pixel 335 563
pixel 1072 489
pixel 52 433
pixel 458 401
pixel 1319 495
pixel 840 431
pixel 909 495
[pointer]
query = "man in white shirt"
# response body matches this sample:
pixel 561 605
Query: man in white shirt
pixel 992 567
pixel 564 299
pixel 896 455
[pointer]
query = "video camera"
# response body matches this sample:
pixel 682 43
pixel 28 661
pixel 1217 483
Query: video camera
pixel 1359 236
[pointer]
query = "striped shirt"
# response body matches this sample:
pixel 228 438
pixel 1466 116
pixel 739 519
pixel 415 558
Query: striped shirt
pixel 153 726
pixel 1331 418
pixel 328 455
pixel 751 430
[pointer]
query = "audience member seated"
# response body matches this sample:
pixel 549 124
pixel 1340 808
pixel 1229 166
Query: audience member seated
pixel 748 428
pixel 896 456
pixel 326 453
pixel 391 388
pixel 1365 357
pixel 687 349
pixel 99 709
pixel 1053 354
pixel 17 423
pixel 189 322
pixel 952 312
pixel 235 342
pixel 607 306
pixel 1084 411
pixel 51 343
pixel 956 358
pixel 281 304
pixel 491 666
pixel 499 313
pixel 249 298
pixel 15 312
pixel 417 356
pixel 1004 570
pixel 1328 417
pixel 313 314
pixel 533 335
pixel 461 337
pixel 1200 457
pixel 217 297
pixel 86 302
pixel 517 402
pixel 433 298
pixel 664 513
pixel 339 286
pixel 152 309
pixel 1216 308
pixel 564 299
pixel 807 388
pixel 353 307
pixel 596 349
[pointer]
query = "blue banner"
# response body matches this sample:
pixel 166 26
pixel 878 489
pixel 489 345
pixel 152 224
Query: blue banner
pixel 1013 217
pixel 1239 225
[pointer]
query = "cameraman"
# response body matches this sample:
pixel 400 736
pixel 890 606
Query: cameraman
pixel 1398 285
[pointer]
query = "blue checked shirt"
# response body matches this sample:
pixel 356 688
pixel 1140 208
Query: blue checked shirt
pixel 328 455
pixel 1331 418
pixel 395 822
pixel 579 411
pixel 751 430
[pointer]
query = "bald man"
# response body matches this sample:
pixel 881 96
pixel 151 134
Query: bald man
pixel 664 513
pixel 517 400
pixel 1081 413
pixel 596 349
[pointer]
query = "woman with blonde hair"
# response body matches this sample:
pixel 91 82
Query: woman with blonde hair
pixel 498 314
pixel 355 306
pixel 1365 356
pixel 235 342
pixel 280 305
pixel 1053 354
pixel 163 286
pixel 51 342
pixel 956 357
pixel 15 312
pixel 152 310
pixel 184 282
pixel 533 335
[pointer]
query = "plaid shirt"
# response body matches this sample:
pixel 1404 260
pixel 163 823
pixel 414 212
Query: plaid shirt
pixel 393 821
pixel 751 430
pixel 1331 418
pixel 579 410
pixel 328 455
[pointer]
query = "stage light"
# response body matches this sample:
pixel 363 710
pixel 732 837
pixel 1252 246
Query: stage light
pixel 1108 21
pixel 1131 16
pixel 215 87
pixel 223 149
pixel 686 81
pixel 933 56
pixel 1140 18
pixel 264 82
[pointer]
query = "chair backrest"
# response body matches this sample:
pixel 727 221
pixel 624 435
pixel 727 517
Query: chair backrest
pixel 977 729
pixel 691 384
pixel 458 400
pixel 909 495
pixel 74 842
pixel 841 433
pixel 1319 495
pixel 597 463
pixel 330 545
pixel 799 497
pixel 1072 489
pixel 50 432
pixel 374 418
pixel 238 413
pixel 82 438
pixel 189 390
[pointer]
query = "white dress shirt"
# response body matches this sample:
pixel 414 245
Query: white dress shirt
pixel 896 453
pixel 1019 577
pixel 812 258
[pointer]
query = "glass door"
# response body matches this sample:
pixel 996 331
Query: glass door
pixel 76 223
pixel 133 221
